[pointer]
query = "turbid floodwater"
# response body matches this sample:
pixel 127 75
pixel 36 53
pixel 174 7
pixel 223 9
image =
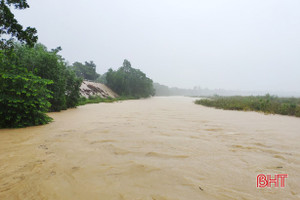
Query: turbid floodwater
pixel 151 149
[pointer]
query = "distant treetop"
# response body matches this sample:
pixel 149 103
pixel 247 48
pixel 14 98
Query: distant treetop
pixel 10 26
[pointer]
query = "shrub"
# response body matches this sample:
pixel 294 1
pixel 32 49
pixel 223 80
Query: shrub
pixel 23 96
pixel 49 65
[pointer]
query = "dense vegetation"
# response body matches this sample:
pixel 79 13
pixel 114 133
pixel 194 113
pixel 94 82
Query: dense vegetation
pixel 23 95
pixel 49 65
pixel 34 80
pixel 266 104
pixel 130 82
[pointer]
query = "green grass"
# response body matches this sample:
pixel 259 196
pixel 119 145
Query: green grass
pixel 97 99
pixel 267 104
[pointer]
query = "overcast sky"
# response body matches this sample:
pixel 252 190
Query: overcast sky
pixel 229 44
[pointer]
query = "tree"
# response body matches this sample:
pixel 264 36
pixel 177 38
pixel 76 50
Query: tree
pixel 86 70
pixel 127 81
pixel 23 95
pixel 10 26
pixel 72 92
pixel 33 80
pixel 47 65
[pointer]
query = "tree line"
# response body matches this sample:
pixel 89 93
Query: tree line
pixel 125 81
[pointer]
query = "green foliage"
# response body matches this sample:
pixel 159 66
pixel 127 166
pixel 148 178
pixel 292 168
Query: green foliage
pixel 86 71
pixel 72 92
pixel 26 92
pixel 127 81
pixel 297 111
pixel 23 95
pixel 266 104
pixel 97 99
pixel 10 26
pixel 49 65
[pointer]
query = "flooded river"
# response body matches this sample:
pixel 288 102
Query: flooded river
pixel 151 149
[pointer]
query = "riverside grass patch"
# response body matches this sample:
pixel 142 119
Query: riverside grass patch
pixel 267 104
pixel 98 99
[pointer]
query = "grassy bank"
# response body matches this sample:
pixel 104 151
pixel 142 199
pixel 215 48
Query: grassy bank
pixel 266 104
pixel 97 99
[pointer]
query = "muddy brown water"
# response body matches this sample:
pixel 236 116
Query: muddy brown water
pixel 152 149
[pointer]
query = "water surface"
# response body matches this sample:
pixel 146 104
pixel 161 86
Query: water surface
pixel 151 149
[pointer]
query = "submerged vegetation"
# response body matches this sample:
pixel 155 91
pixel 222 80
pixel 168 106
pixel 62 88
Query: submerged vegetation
pixel 266 104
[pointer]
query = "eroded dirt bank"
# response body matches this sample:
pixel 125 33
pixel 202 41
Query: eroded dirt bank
pixel 159 148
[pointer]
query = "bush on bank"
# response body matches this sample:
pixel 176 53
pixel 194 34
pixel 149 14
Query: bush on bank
pixel 49 65
pixel 34 81
pixel 23 95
